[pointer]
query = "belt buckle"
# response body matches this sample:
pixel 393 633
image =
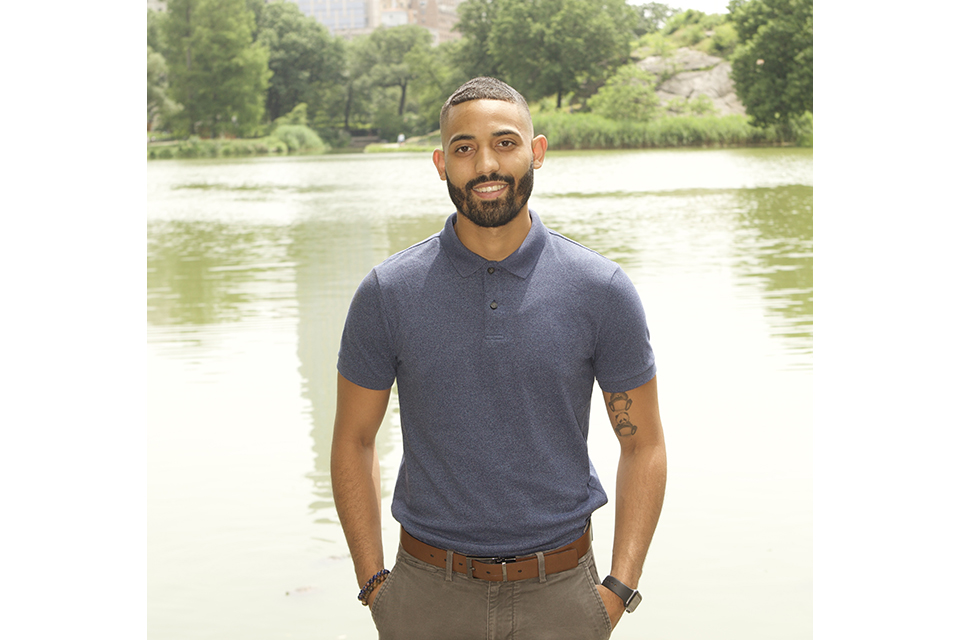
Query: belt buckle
pixel 503 561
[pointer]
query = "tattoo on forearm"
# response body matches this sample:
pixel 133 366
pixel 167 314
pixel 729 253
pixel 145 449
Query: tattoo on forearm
pixel 619 404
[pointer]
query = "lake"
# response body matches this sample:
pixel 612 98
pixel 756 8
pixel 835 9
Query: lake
pixel 251 266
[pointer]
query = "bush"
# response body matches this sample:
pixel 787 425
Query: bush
pixel 657 45
pixel 194 147
pixel 591 131
pixel 299 137
pixel 628 95
pixel 801 129
pixel 724 40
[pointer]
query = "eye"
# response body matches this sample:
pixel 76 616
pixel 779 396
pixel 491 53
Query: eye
pixel 507 143
pixel 462 149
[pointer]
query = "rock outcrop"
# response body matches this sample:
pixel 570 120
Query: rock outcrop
pixel 687 73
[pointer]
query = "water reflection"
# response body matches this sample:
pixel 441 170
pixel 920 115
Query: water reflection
pixel 774 247
pixel 207 272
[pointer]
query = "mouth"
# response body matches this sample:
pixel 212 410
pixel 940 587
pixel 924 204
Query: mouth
pixel 489 190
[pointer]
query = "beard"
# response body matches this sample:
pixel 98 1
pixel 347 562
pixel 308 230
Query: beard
pixel 493 213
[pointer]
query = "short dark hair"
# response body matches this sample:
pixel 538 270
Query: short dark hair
pixel 483 88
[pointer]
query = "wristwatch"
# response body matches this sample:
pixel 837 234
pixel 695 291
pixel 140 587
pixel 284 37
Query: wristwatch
pixel 631 597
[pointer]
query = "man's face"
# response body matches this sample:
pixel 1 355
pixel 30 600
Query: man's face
pixel 488 160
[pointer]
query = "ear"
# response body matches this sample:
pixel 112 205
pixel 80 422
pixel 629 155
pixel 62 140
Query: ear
pixel 539 147
pixel 440 163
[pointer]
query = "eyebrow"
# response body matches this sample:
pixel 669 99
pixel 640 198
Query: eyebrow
pixel 496 134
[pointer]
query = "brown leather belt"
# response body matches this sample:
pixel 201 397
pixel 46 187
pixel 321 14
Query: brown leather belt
pixel 499 569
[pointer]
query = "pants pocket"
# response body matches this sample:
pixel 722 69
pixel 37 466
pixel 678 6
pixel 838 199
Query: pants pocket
pixel 377 606
pixel 592 580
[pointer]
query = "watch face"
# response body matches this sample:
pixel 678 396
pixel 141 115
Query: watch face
pixel 633 601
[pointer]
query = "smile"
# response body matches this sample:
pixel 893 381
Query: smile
pixel 490 188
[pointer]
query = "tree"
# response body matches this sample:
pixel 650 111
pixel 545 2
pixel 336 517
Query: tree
pixel 390 57
pixel 546 47
pixel 156 31
pixel 471 53
pixel 356 85
pixel 651 17
pixel 629 94
pixel 438 76
pixel 216 71
pixel 159 105
pixel 773 64
pixel 305 60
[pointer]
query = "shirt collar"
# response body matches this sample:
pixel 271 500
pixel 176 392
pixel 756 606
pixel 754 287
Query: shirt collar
pixel 520 263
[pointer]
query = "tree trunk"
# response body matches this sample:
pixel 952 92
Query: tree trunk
pixel 559 95
pixel 346 111
pixel 403 97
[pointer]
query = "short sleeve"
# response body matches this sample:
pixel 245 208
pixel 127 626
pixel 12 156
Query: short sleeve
pixel 623 359
pixel 367 355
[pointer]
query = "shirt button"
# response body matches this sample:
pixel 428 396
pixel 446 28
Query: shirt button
pixel 491 270
pixel 493 305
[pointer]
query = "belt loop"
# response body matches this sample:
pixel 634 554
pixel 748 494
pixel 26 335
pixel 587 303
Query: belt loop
pixel 449 577
pixel 541 566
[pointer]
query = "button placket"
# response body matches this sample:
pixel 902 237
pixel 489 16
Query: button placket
pixel 491 289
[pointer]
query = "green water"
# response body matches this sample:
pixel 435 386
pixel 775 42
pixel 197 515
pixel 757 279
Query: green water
pixel 251 267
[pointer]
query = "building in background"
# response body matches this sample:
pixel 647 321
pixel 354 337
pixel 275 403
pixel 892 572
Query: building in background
pixel 350 18
pixel 437 16
pixel 343 17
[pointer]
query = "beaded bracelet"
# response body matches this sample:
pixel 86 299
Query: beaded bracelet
pixel 371 585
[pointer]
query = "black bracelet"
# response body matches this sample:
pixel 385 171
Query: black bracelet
pixel 372 583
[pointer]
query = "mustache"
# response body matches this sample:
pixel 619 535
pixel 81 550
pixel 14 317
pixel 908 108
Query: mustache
pixel 493 177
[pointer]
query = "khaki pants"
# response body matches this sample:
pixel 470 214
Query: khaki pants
pixel 421 602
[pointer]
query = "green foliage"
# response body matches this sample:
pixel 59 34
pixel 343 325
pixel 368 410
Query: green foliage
pixel 677 21
pixel 801 129
pixel 299 137
pixel 564 43
pixel 472 53
pixel 305 60
pixel 156 31
pixel 591 131
pixel 437 76
pixel 160 107
pixel 297 115
pixel 700 106
pixel 651 17
pixel 391 57
pixel 217 72
pixel 628 95
pixel 723 41
pixel 303 138
pixel 773 64
pixel 656 44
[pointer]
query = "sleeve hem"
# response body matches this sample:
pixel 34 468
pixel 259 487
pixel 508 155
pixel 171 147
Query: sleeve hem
pixel 627 384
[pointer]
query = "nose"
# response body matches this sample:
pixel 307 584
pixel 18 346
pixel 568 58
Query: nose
pixel 486 161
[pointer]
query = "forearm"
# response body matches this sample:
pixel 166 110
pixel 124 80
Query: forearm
pixel 641 480
pixel 355 478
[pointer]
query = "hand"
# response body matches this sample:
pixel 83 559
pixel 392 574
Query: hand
pixel 613 603
pixel 373 594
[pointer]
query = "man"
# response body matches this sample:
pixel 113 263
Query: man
pixel 495 330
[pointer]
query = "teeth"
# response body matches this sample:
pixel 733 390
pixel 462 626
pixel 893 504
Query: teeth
pixel 489 189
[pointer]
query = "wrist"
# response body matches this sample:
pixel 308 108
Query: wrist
pixel 628 595
pixel 367 590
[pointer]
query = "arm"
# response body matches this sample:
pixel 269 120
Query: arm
pixel 641 478
pixel 355 474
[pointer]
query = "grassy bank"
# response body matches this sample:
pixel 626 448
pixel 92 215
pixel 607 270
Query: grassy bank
pixel 285 139
pixel 590 131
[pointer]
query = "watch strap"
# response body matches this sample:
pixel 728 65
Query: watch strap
pixel 631 597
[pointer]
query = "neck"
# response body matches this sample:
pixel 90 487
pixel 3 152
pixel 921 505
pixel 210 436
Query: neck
pixel 494 243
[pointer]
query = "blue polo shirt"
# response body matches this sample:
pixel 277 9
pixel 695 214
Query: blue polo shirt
pixel 494 364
